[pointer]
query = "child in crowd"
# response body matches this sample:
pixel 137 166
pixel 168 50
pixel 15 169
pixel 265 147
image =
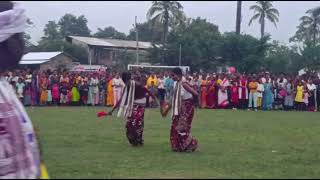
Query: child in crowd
pixel 63 94
pixel 84 92
pixel 20 89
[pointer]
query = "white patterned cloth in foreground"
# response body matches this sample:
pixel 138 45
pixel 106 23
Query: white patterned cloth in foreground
pixel 12 22
pixel 19 153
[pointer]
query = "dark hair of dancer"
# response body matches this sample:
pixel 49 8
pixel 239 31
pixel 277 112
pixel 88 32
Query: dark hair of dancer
pixel 11 50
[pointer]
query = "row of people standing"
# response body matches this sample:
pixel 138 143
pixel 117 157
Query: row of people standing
pixel 65 88
pixel 252 92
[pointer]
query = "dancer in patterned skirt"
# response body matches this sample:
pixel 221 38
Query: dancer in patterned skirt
pixel 132 106
pixel 182 115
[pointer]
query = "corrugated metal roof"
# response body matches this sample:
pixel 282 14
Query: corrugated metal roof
pixel 32 62
pixel 38 57
pixel 112 42
pixel 34 56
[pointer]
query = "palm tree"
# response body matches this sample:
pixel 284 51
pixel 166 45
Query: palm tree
pixel 238 23
pixel 312 23
pixel 168 13
pixel 263 10
pixel 309 27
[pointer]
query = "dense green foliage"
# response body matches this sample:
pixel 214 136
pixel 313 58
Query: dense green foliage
pixel 203 46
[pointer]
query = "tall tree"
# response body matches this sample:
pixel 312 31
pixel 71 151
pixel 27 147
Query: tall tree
pixel 72 25
pixel 200 42
pixel 238 18
pixel 264 10
pixel 243 51
pixel 309 27
pixel 54 34
pixel 308 33
pixel 281 58
pixel 148 31
pixel 168 13
pixel 51 31
pixel 110 32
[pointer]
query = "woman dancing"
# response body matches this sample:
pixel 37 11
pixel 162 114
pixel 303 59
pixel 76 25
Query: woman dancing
pixel 132 106
pixel 182 115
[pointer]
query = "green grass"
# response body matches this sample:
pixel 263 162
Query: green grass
pixel 233 144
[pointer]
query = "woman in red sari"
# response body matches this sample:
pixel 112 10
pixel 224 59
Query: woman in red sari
pixel 204 92
pixel 182 115
pixel 234 95
pixel 132 106
pixel 212 96
pixel 243 92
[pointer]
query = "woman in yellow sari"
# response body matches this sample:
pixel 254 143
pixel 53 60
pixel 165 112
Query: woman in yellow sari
pixel 110 93
pixel 44 92
pixel 75 95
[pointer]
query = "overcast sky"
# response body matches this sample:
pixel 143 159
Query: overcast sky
pixel 120 14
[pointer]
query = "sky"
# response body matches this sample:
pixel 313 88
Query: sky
pixel 121 15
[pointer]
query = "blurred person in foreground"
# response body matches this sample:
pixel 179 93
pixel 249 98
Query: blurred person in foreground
pixel 19 151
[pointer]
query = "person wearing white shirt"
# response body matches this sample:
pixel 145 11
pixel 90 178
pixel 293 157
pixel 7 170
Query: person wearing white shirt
pixel 161 88
pixel 94 90
pixel 282 81
pixel 117 85
pixel 15 79
pixel 28 78
pixel 312 89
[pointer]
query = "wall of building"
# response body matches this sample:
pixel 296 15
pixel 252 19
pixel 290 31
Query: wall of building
pixel 108 57
pixel 101 56
pixel 80 43
pixel 60 61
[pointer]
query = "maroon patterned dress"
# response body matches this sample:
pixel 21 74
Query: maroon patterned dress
pixel 181 138
pixel 135 125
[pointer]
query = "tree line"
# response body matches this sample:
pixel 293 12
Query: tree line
pixel 203 45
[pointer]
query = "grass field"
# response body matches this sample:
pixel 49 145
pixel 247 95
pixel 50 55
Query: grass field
pixel 233 144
